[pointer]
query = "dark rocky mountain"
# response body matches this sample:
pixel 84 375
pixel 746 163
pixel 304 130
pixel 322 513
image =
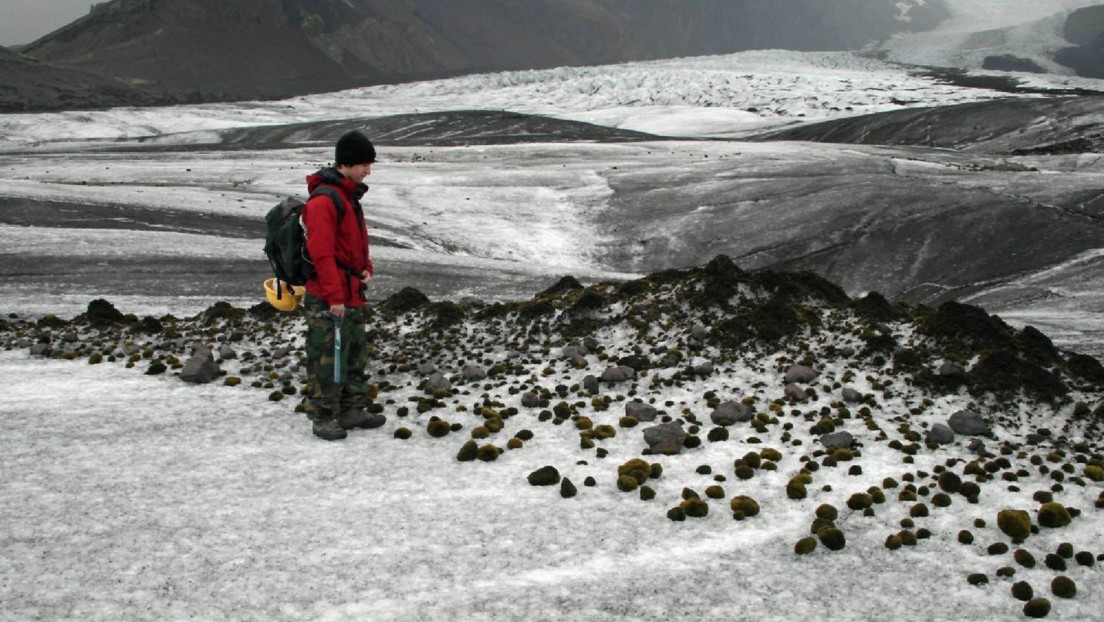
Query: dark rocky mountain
pixel 33 85
pixel 210 50
pixel 1085 29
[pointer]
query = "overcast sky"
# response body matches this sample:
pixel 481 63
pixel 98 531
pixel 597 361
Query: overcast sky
pixel 23 21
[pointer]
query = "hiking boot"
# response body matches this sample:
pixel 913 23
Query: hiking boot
pixel 360 418
pixel 329 430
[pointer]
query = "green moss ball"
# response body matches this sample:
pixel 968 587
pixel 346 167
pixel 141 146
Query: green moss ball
pixel 832 538
pixel 1024 558
pixel 978 578
pixel 1063 587
pixel 827 511
pixel 1022 591
pixel 795 490
pixel 544 476
pixel 676 514
pixel 805 546
pixel 403 433
pixel 1053 515
pixel 695 507
pixel 893 542
pixel 567 489
pixel 647 493
pixel 744 504
pixel 1015 524
pixel 1037 608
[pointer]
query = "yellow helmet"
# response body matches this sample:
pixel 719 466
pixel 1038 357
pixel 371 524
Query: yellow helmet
pixel 287 299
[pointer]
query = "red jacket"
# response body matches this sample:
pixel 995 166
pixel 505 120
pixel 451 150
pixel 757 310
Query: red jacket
pixel 339 250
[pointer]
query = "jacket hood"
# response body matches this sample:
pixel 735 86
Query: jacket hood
pixel 330 177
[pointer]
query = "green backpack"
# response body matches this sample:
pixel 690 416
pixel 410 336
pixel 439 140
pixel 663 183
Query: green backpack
pixel 286 240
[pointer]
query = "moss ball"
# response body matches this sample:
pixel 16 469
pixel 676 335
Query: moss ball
pixel 1037 608
pixel 647 493
pixel 827 511
pixel 655 470
pixel 695 507
pixel 795 490
pixel 1095 472
pixel 1055 562
pixel 567 489
pixel 1085 558
pixel 978 578
pixel 637 470
pixel 544 476
pixel 715 492
pixel 717 435
pixel 997 548
pixel 1053 515
pixel 1006 572
pixel 1022 591
pixel 746 505
pixel 480 432
pixel 676 514
pixel 893 542
pixel 403 433
pixel 1015 524
pixel 919 510
pixel 908 538
pixel 1024 558
pixel 965 537
pixel 769 453
pixel 488 453
pixel 469 451
pixel 438 428
pixel 805 546
pixel 627 483
pixel 860 501
pixel 1063 587
pixel 941 500
pixel 1065 549
pixel 832 538
pixel 949 482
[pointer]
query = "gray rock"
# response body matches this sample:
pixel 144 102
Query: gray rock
pixel 574 351
pixel 436 381
pixel 530 400
pixel 641 411
pixel 837 440
pixel 666 438
pixel 590 384
pixel 702 367
pixel 473 373
pixel 281 352
pixel 201 368
pixel 69 337
pixel 851 396
pixel 950 369
pixel 621 373
pixel 699 332
pixel 227 353
pixel 795 393
pixel 731 413
pixel 40 349
pixel 800 373
pixel 976 445
pixel 940 434
pixel 591 344
pixel 968 423
pixel 426 368
pixel 846 352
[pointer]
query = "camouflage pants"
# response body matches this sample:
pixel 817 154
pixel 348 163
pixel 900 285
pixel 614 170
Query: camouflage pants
pixel 322 390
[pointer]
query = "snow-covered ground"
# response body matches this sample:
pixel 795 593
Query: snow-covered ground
pixel 131 497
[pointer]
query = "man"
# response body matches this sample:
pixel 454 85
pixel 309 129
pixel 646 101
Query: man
pixel 337 242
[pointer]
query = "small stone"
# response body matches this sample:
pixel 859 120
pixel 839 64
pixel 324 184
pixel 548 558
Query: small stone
pixel 940 434
pixel 801 374
pixel 968 423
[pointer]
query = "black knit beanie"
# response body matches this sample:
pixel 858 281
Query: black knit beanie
pixel 354 148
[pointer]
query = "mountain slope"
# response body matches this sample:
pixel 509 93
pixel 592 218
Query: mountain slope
pixel 213 50
pixel 33 85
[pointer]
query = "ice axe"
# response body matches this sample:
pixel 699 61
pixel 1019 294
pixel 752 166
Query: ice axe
pixel 337 369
